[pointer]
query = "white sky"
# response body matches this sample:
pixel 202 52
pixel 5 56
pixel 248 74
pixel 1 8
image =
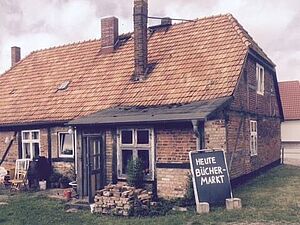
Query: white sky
pixel 36 24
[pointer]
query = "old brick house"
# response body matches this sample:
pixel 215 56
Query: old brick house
pixel 154 94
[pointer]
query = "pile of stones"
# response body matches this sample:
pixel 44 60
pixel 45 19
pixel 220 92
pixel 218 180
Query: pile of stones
pixel 121 200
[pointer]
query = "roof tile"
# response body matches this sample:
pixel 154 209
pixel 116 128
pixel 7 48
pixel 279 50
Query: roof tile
pixel 290 98
pixel 194 61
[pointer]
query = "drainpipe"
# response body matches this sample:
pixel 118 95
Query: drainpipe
pixel 195 124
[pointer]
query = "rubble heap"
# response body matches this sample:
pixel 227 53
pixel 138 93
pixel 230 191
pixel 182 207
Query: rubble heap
pixel 121 200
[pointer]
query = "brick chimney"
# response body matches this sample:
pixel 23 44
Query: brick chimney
pixel 140 17
pixel 15 55
pixel 109 34
pixel 166 21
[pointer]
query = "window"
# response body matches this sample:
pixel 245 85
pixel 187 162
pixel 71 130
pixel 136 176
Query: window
pixel 30 144
pixel 253 137
pixel 260 79
pixel 133 144
pixel 65 145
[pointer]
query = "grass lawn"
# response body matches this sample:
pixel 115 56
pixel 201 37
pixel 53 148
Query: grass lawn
pixel 273 197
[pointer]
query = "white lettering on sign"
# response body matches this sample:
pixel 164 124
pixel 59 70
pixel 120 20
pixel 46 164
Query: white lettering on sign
pixel 205 161
pixel 212 180
pixel 206 171
pixel 209 174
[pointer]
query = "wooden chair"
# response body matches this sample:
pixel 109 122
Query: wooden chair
pixel 20 178
pixel 19 181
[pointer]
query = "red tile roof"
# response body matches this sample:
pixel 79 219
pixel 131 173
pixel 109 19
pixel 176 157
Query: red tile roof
pixel 290 98
pixel 195 61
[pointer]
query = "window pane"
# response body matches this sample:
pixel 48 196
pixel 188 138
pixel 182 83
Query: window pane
pixel 36 149
pixel 144 156
pixel 126 136
pixel 26 151
pixel 35 135
pixel 66 145
pixel 26 135
pixel 126 156
pixel 142 137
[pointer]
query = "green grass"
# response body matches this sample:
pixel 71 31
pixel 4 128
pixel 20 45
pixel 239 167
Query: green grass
pixel 273 197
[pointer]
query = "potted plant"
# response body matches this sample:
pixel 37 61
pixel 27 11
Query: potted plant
pixel 54 179
pixel 64 181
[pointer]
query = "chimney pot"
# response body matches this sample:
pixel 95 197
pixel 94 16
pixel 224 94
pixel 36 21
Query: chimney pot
pixel 140 17
pixel 109 34
pixel 166 21
pixel 15 55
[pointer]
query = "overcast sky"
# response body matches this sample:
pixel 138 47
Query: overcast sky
pixel 36 24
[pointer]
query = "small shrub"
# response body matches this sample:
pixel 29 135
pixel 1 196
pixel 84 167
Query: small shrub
pixel 64 181
pixel 189 195
pixel 54 177
pixel 135 174
pixel 162 208
pixel 71 174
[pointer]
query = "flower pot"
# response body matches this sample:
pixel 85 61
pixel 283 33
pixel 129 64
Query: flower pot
pixel 68 194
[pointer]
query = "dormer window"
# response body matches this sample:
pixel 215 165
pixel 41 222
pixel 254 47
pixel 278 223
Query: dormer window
pixel 260 79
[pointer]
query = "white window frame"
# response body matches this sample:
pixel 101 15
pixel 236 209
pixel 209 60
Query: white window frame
pixel 134 147
pixel 260 79
pixel 30 141
pixel 253 137
pixel 60 155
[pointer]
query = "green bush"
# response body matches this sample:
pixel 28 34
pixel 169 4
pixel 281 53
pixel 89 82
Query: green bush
pixel 64 181
pixel 135 174
pixel 54 177
pixel 189 195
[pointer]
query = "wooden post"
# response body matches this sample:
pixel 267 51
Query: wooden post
pixel 282 155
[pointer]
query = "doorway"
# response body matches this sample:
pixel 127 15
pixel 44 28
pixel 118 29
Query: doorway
pixel 95 179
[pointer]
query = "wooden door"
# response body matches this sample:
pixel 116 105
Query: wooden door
pixel 95 165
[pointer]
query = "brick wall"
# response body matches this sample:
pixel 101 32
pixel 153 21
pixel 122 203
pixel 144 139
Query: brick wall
pixel 172 146
pixel 268 151
pixel 109 155
pixel 174 143
pixel 246 97
pixel 215 134
pixel 9 163
pixel 248 105
pixel 44 142
pixel 171 183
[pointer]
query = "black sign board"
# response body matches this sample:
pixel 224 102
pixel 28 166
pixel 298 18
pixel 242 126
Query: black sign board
pixel 210 176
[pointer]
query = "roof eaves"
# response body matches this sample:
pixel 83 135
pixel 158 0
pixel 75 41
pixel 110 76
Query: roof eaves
pixel 33 123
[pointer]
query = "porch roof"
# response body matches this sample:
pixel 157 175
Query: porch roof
pixel 174 112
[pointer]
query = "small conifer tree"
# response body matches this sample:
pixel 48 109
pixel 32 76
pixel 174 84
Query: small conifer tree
pixel 135 173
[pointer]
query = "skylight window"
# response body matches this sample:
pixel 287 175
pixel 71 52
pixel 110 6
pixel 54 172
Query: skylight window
pixel 63 86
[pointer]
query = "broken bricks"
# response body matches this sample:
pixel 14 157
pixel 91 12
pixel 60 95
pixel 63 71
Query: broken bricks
pixel 121 200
